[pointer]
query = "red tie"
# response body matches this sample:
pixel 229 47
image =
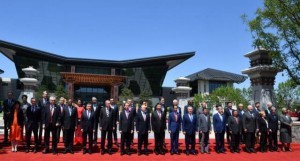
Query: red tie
pixel 175 114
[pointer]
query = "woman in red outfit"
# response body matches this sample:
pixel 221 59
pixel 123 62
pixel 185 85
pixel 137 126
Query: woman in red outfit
pixel 15 125
pixel 78 132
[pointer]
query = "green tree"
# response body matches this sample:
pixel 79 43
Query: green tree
pixel 287 93
pixel 228 94
pixel 60 91
pixel 276 27
pixel 126 94
pixel 145 96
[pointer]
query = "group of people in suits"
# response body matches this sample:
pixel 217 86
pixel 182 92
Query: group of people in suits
pixel 46 116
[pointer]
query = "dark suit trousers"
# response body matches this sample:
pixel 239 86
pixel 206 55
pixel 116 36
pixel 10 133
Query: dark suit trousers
pixel 125 140
pixel 142 139
pixel 219 141
pixel 158 141
pixel 250 140
pixel 6 129
pixel 273 140
pixel 29 131
pixel 58 133
pixel 228 135
pixel 235 141
pixel 174 141
pixel 190 141
pixel 86 134
pixel 95 135
pixel 115 135
pixel 69 138
pixel 263 139
pixel 40 132
pixel 53 131
pixel 109 139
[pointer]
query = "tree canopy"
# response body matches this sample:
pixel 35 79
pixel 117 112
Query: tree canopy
pixel 276 27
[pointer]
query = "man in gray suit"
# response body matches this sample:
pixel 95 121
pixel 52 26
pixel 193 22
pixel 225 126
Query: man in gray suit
pixel 204 128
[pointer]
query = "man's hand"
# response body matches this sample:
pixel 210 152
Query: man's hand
pixel 131 131
pixel 257 130
pixel 100 128
pixel 117 122
pixel 94 130
pixel 137 131
pixel 120 132
pixel 200 132
pixel 81 130
pixel 43 126
pixel 270 130
pixel 184 133
pixel 245 130
pixel 230 132
pixel 57 124
pixel 169 131
pixel 149 132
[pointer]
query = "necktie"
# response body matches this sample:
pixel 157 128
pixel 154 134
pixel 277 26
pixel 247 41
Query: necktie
pixel 51 111
pixel 191 118
pixel 144 116
pixel 107 112
pixel 221 117
pixel 89 114
pixel 175 114
pixel 33 109
pixel 236 119
pixel 159 114
pixel 70 110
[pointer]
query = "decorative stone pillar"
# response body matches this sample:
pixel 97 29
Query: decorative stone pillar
pixel 30 82
pixel 182 91
pixel 262 75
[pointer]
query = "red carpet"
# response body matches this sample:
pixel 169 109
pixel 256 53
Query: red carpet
pixel 7 155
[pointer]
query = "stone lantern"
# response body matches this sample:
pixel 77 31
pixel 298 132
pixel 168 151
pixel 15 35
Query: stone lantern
pixel 29 81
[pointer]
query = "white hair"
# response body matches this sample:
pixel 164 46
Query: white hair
pixel 52 98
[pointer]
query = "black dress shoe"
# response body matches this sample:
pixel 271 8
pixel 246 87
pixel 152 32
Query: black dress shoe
pixel 218 151
pixel 139 153
pixel 27 151
pixel 110 152
pixel 45 151
pixel 172 153
pixel 193 152
pixel 102 152
pixel 117 144
pixel 128 152
pixel 207 152
pixel 176 152
pixel 71 151
pixel 232 151
pixel 252 150
pixel 84 151
pixel 156 152
pixel 162 152
pixel 187 152
pixel 238 151
pixel 65 152
pixel 90 151
pixel 54 152
pixel 146 152
pixel 34 150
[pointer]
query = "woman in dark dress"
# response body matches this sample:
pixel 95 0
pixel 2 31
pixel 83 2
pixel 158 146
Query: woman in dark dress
pixel 285 130
pixel 263 126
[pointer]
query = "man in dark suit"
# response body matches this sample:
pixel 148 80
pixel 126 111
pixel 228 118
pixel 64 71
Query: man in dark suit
pixel 189 128
pixel 96 108
pixel 190 104
pixel 126 127
pixel 61 107
pixel 41 104
pixel 133 111
pixel 51 120
pixel 164 109
pixel 174 128
pixel 268 110
pixel 219 124
pixel 88 126
pixel 33 113
pixel 158 122
pixel 204 128
pixel 227 114
pixel 250 128
pixel 106 126
pixel 69 124
pixel 114 106
pixel 241 113
pixel 273 129
pixel 143 129
pixel 234 127
pixel 257 109
pixel 7 109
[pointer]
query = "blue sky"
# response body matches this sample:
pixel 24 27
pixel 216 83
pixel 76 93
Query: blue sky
pixel 127 29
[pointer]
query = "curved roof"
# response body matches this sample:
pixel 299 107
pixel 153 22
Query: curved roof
pixel 10 49
pixel 217 75
pixel 1 71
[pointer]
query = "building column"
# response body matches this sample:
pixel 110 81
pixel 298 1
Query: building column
pixel 114 92
pixel 70 87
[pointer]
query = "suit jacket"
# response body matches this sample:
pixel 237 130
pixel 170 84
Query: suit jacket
pixel 42 105
pixel 227 113
pixel 7 108
pixel 273 122
pixel 69 121
pixel 189 126
pixel 218 124
pixel 262 125
pixel 173 124
pixel 158 124
pixel 107 122
pixel 142 126
pixel 203 124
pixel 97 111
pixel 126 124
pixel 20 116
pixel 33 116
pixel 88 124
pixel 116 114
pixel 285 121
pixel 234 126
pixel 249 122
pixel 47 115
pixel 185 110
